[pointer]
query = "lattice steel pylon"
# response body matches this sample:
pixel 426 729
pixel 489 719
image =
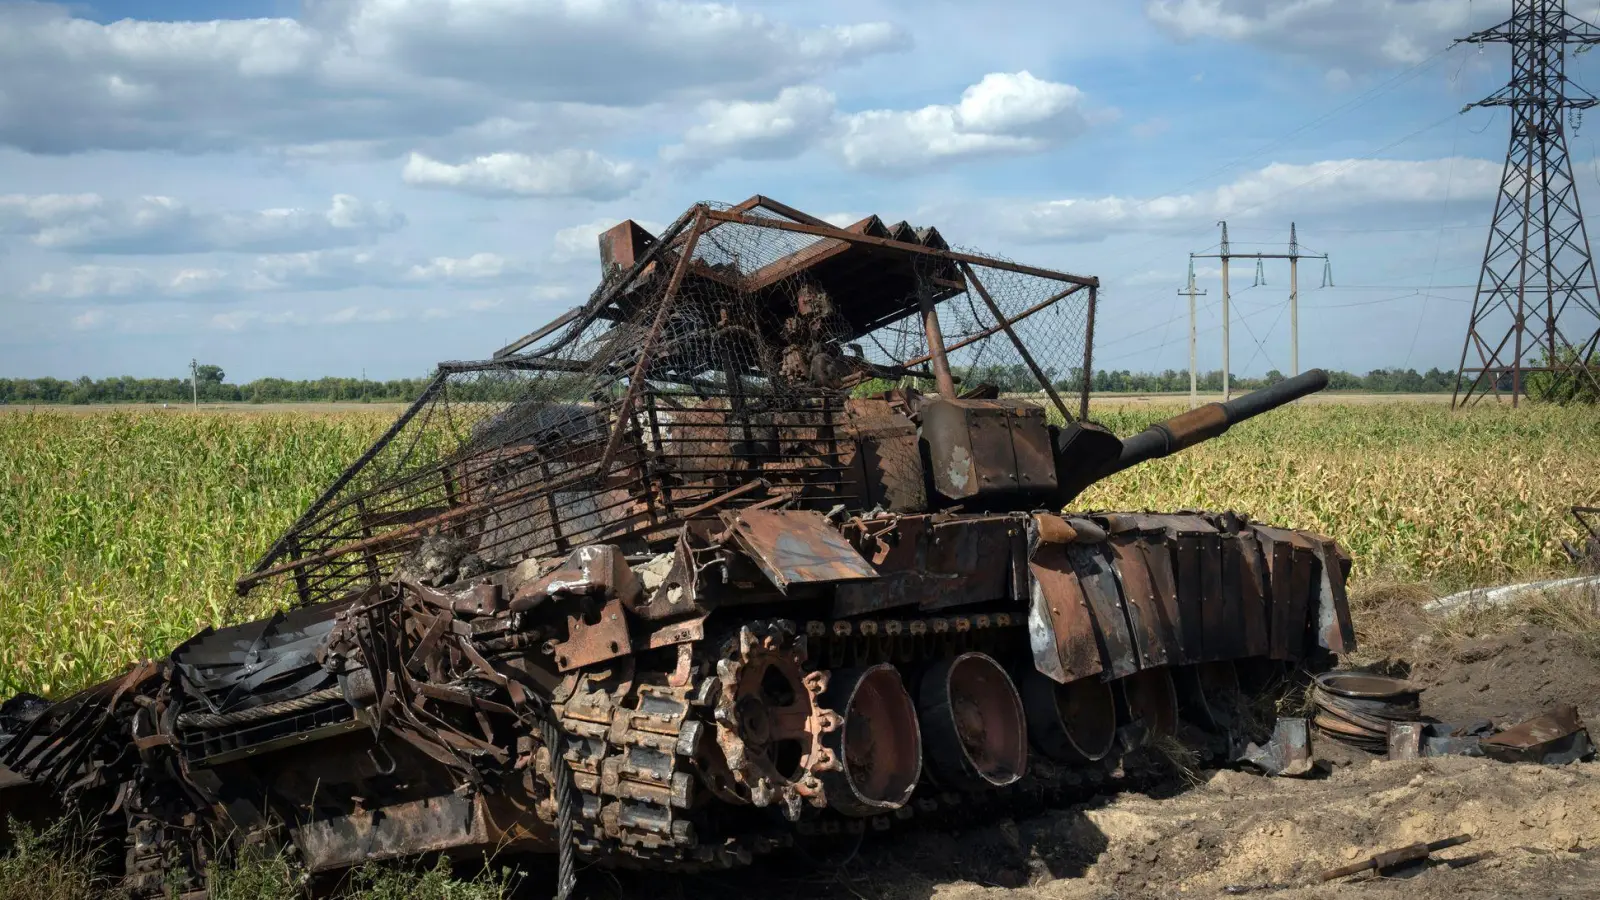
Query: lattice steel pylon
pixel 1537 266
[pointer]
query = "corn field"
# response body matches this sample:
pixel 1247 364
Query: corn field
pixel 121 532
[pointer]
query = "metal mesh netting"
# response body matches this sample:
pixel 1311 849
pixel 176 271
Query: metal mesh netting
pixel 736 379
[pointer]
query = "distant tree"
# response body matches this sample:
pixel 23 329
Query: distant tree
pixel 1569 385
pixel 209 373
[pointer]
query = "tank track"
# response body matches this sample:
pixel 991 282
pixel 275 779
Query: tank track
pixel 639 754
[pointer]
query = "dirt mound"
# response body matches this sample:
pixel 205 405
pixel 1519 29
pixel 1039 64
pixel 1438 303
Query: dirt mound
pixel 1509 677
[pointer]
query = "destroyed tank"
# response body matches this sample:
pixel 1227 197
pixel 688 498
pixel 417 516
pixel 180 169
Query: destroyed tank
pixel 770 538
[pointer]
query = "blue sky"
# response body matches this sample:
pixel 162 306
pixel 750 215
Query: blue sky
pixel 300 189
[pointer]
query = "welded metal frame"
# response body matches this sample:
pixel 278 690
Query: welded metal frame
pixel 1537 242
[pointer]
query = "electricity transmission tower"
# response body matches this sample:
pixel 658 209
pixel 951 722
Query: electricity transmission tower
pixel 1536 264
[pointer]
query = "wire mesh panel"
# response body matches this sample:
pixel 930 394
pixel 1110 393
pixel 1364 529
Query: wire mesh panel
pixel 731 362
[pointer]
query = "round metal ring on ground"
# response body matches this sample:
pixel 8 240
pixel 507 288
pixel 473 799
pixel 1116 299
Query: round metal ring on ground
pixel 1208 694
pixel 973 726
pixel 1074 722
pixel 1359 707
pixel 1151 700
pixel 1367 686
pixel 878 745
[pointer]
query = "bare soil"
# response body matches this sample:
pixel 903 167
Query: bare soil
pixel 1535 829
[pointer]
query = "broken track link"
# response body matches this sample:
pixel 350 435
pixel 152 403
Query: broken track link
pixel 630 746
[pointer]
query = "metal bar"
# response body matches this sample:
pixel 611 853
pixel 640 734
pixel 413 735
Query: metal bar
pixel 1262 256
pixel 541 332
pixel 935 335
pixel 637 378
pixel 1022 350
pixel 889 243
pixel 784 209
pixel 281 544
pixel 1088 354
pixel 987 332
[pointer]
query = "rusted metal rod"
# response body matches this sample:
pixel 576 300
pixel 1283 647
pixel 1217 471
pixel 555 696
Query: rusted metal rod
pixel 840 234
pixel 987 332
pixel 1393 858
pixel 1088 354
pixel 941 363
pixel 643 365
pixel 1022 350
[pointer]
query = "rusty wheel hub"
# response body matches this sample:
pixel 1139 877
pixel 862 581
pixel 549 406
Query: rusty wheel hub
pixel 769 722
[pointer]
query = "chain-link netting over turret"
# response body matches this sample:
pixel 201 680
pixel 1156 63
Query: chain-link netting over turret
pixel 726 363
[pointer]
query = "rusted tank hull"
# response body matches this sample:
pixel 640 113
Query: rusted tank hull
pixel 412 719
pixel 669 584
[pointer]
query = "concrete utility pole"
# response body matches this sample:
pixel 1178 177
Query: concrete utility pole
pixel 194 381
pixel 1194 390
pixel 1227 390
pixel 1294 303
pixel 1293 256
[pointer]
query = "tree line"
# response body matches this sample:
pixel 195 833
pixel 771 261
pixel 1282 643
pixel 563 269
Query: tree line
pixel 178 390
pixel 1008 378
pixel 1018 379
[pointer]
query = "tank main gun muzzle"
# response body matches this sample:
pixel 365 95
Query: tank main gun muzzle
pixel 1086 453
pixel 1206 422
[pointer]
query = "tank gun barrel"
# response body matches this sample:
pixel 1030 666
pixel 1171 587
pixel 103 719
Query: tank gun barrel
pixel 1209 421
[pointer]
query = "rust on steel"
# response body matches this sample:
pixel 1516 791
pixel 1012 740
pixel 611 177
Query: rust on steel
pixel 796 547
pixel 889 243
pixel 666 593
pixel 636 378
pixel 935 335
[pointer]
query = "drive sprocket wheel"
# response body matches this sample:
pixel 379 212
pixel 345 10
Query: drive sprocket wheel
pixel 769 723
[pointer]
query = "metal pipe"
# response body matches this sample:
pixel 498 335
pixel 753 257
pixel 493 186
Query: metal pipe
pixel 1211 420
pixel 930 327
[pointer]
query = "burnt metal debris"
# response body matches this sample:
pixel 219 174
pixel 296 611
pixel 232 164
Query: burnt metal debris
pixel 1358 708
pixel 760 542
pixel 1288 753
pixel 1394 859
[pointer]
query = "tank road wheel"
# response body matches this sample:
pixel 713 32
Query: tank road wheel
pixel 1208 694
pixel 1150 701
pixel 972 723
pixel 770 725
pixel 1074 722
pixel 879 747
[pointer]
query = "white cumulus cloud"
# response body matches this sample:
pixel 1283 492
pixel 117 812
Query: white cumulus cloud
pixel 774 129
pixel 320 270
pixel 564 173
pixel 349 73
pixel 1330 187
pixel 91 223
pixel 1003 113
pixel 1339 32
